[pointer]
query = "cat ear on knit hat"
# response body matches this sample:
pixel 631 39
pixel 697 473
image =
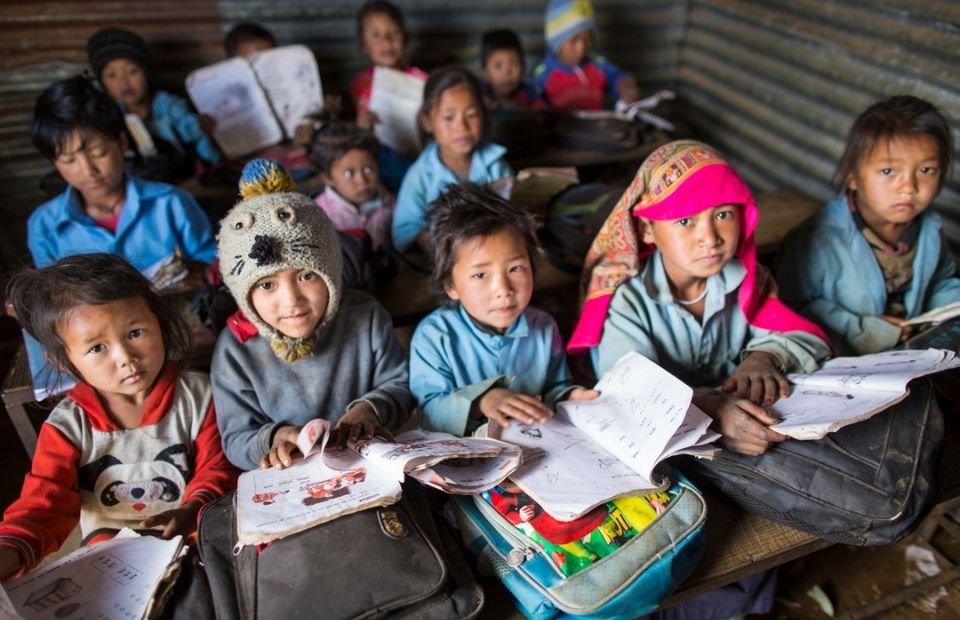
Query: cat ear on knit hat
pixel 274 228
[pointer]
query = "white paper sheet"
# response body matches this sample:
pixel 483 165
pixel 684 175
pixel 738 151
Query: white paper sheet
pixel 330 483
pixel 639 410
pixel 395 99
pixel 229 92
pixel 847 390
pixel 273 503
pixel 114 579
pixel 575 474
pixel 290 77
pixel 937 314
pixel 608 447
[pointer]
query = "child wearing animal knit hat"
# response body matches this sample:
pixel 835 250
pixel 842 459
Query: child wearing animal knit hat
pixel 300 346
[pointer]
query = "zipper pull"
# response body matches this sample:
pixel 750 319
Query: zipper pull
pixel 516 557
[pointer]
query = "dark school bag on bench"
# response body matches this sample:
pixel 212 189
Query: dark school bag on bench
pixel 574 217
pixel 868 483
pixel 386 562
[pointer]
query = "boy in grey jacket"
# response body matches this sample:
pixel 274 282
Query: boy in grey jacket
pixel 300 347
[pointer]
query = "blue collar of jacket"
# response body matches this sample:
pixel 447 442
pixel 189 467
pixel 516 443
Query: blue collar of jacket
pixel 657 285
pixel 485 155
pixel 72 210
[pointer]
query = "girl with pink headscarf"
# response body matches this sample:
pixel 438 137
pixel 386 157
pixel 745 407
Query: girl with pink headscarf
pixel 673 275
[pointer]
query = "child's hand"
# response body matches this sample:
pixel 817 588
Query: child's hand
pixel 742 424
pixel 367 119
pixel 208 124
pixel 359 422
pixel 905 330
pixel 10 561
pixel 501 404
pixel 284 450
pixel 758 378
pixel 627 90
pixel 579 393
pixel 527 512
pixel 182 520
pixel 303 133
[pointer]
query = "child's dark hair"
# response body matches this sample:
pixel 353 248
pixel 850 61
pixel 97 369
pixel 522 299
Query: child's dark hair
pixel 334 139
pixel 43 300
pixel 498 40
pixel 445 78
pixel 71 104
pixel 381 6
pixel 465 211
pixel 902 116
pixel 243 32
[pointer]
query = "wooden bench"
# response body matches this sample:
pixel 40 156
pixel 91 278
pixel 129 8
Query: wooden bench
pixel 780 211
pixel 17 394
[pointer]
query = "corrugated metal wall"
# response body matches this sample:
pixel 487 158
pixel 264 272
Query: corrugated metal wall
pixel 777 83
pixel 45 41
pixel 642 35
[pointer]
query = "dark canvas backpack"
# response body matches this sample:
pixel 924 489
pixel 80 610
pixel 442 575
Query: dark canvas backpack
pixel 868 483
pixel 574 216
pixel 387 562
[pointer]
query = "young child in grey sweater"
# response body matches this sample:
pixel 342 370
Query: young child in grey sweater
pixel 301 346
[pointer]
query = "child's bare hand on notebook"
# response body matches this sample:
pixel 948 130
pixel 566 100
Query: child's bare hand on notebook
pixel 182 520
pixel 283 452
pixel 359 422
pixel 501 405
pixel 905 330
pixel 579 393
pixel 742 424
pixel 759 379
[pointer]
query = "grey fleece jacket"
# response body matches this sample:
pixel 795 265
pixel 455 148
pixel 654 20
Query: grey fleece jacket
pixel 356 357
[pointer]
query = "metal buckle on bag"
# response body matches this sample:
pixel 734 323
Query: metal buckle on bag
pixel 391 525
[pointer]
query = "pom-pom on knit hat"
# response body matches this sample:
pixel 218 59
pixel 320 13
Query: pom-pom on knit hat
pixel 565 18
pixel 275 228
pixel 110 43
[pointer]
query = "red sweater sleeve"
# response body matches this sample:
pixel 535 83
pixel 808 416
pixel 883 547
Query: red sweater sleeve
pixel 48 509
pixel 213 475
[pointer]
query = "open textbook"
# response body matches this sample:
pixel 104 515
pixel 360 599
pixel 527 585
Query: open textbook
pixel 123 578
pixel 256 103
pixel 851 389
pixel 328 483
pixel 607 448
pixel 395 98
pixel 936 315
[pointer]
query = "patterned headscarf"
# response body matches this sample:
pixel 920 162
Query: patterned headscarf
pixel 679 179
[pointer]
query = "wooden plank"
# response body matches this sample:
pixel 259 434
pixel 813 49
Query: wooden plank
pixel 780 212
pixel 740 544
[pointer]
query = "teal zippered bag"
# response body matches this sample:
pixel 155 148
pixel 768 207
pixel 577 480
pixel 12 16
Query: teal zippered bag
pixel 629 583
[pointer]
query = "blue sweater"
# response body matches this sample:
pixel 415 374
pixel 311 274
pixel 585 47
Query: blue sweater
pixel 428 177
pixel 454 361
pixel 828 272
pixel 156 219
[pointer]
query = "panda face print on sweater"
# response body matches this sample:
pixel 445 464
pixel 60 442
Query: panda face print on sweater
pixel 135 491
